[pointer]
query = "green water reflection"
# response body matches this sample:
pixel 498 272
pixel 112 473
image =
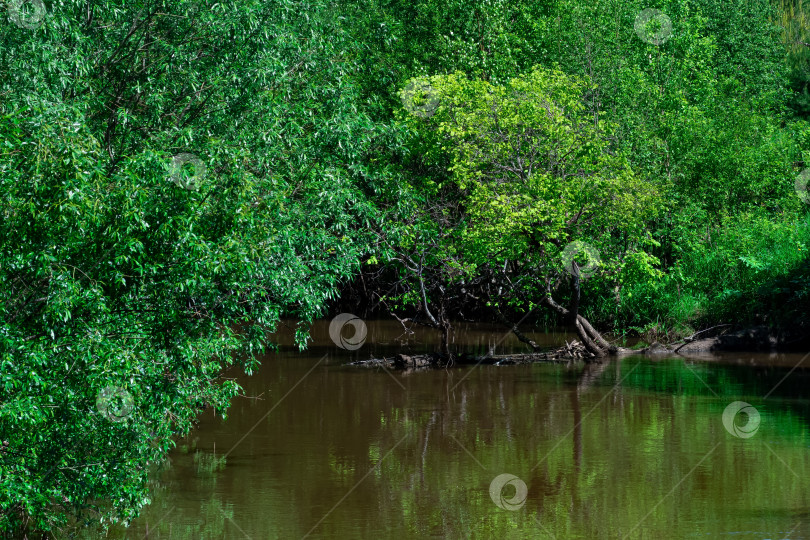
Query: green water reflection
pixel 632 448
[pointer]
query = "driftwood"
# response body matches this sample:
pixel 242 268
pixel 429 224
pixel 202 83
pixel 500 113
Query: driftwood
pixel 750 339
pixel 573 351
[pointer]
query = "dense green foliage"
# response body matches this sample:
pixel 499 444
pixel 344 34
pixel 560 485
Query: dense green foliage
pixel 114 276
pixel 129 275
pixel 705 116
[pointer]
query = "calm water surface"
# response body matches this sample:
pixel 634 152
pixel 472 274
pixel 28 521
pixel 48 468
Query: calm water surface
pixel 632 448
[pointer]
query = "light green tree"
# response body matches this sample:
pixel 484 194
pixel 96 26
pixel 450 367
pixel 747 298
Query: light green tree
pixel 531 171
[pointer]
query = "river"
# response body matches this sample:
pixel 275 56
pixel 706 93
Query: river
pixel 630 448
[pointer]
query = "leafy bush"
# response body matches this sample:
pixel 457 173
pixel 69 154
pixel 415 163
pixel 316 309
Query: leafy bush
pixel 752 269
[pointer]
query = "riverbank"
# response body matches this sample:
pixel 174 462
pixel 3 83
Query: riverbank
pixel 756 338
pixel 721 339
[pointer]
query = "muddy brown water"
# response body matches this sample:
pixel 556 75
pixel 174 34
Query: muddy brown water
pixel 631 448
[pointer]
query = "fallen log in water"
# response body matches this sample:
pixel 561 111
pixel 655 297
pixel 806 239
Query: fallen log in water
pixel 573 351
pixel 757 338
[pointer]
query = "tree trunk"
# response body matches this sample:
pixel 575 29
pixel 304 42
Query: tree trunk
pixel 445 345
pixel 591 345
pixel 591 339
pixel 596 336
pixel 574 309
pixel 585 337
